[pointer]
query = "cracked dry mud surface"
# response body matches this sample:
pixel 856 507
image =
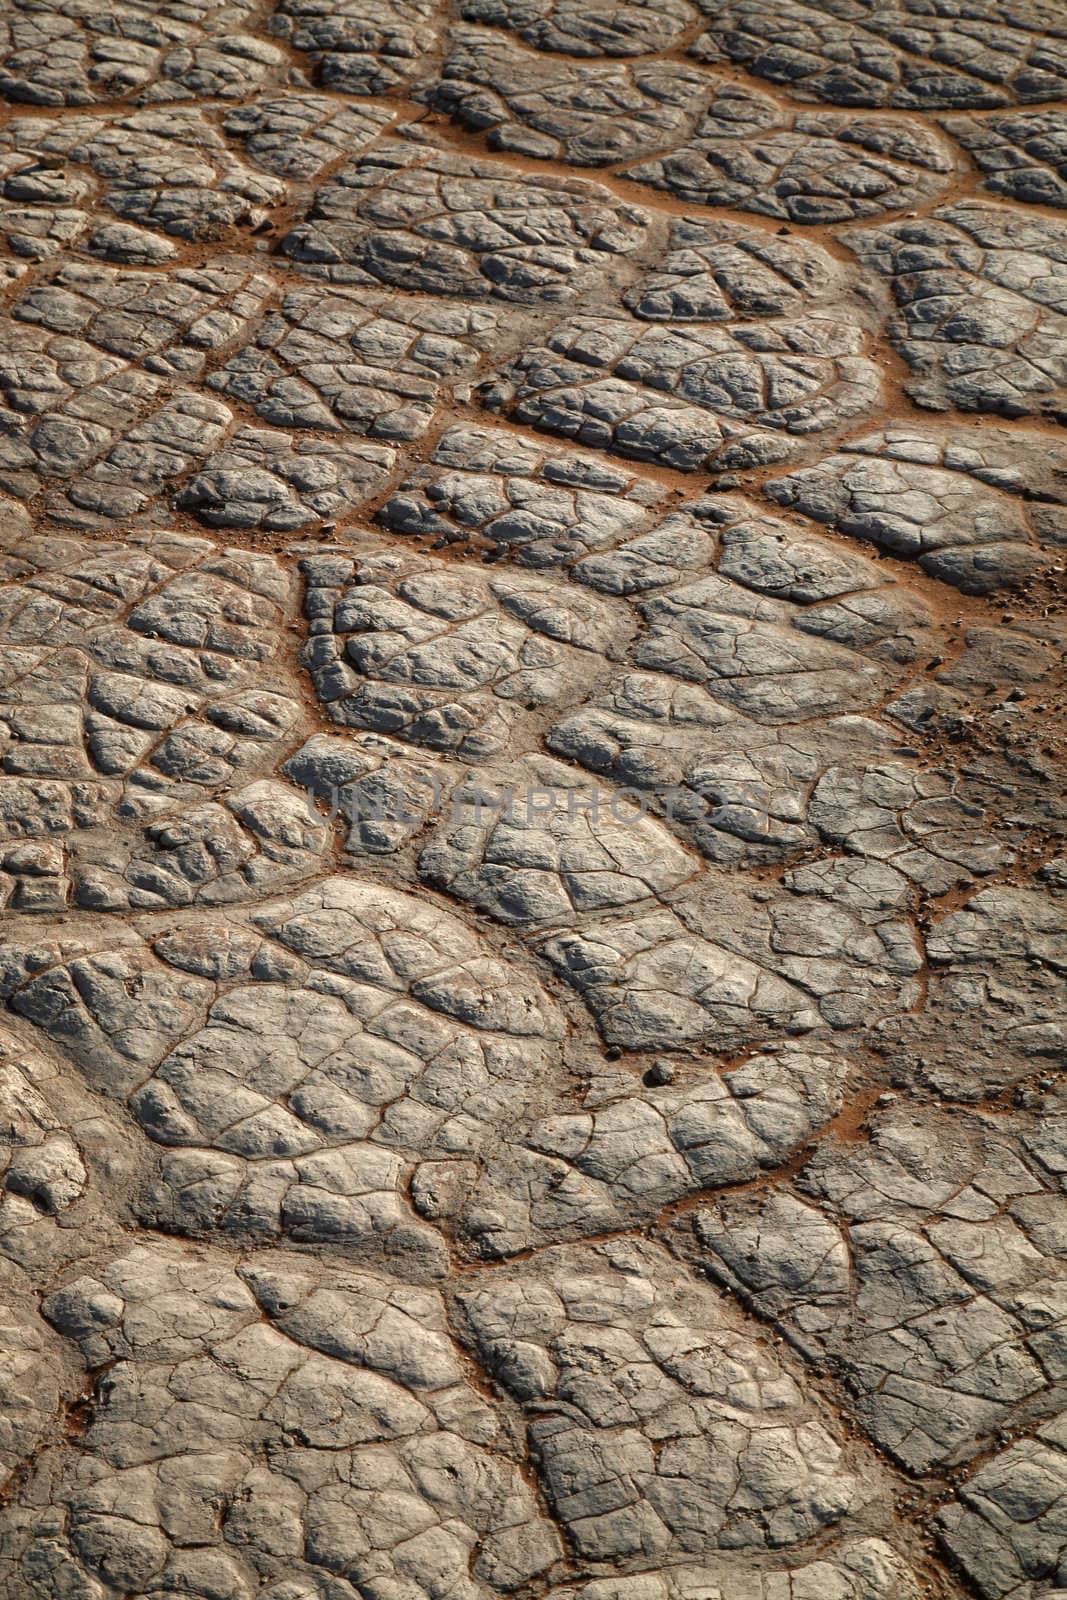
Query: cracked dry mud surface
pixel 532 1026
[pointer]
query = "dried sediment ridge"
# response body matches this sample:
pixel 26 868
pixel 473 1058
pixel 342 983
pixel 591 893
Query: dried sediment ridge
pixel 531 809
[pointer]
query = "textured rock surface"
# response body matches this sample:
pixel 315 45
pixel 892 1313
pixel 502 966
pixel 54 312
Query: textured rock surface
pixel 532 1028
pixel 931 1274
pixel 589 115
pixel 896 52
pixel 419 219
pixel 981 295
pixel 812 167
pixel 702 397
pixel 1023 155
